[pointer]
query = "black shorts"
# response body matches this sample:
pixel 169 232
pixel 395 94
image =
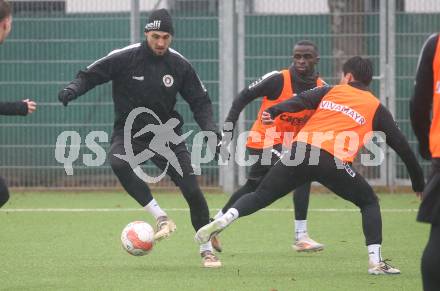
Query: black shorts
pixel 429 210
pixel 257 170
pixel 340 177
pixel 138 144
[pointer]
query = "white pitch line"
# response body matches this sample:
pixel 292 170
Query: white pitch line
pixel 186 209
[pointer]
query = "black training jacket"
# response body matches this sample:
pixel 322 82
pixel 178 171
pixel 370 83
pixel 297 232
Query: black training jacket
pixel 142 79
pixel 421 118
pixel 421 101
pixel 270 85
pixel 13 108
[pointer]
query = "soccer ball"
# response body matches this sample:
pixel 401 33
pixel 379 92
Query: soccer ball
pixel 138 238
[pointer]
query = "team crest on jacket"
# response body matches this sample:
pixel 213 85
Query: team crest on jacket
pixel 168 80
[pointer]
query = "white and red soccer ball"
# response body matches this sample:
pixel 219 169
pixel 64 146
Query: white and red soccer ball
pixel 138 238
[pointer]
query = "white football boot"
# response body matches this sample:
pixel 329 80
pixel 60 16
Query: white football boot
pixel 164 228
pixel 306 244
pixel 382 268
pixel 205 233
pixel 209 260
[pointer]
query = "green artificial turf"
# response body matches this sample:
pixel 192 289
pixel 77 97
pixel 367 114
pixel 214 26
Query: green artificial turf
pixel 78 248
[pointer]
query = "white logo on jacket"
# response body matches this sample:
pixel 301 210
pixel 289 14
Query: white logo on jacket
pixel 139 78
pixel 256 82
pixel 168 80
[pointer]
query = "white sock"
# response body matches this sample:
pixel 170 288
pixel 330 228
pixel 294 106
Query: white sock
pixel 228 217
pixel 374 253
pixel 219 214
pixel 300 229
pixel 206 247
pixel 154 209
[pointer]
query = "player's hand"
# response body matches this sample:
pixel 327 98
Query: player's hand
pixel 266 118
pixel 65 96
pixel 31 105
pixel 227 133
pixel 218 145
pixel 224 142
pixel 420 195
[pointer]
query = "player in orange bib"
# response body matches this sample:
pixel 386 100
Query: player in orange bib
pixel 425 119
pixel 276 87
pixel 345 116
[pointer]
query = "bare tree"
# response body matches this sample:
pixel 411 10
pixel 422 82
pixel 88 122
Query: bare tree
pixel 347 26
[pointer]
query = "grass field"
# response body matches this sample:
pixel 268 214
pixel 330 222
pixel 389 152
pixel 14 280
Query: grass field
pixel 77 247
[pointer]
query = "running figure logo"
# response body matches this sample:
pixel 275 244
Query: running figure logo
pixel 163 136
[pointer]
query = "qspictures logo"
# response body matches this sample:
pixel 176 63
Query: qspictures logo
pixel 206 146
pixel 163 136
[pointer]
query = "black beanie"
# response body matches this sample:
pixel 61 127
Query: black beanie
pixel 160 20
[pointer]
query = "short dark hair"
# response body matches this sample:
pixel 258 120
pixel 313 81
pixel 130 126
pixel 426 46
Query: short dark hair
pixel 360 68
pixel 5 9
pixel 309 43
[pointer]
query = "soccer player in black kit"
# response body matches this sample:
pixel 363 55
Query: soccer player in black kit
pixel 276 87
pixel 321 152
pixel 149 75
pixel 10 108
pixel 425 120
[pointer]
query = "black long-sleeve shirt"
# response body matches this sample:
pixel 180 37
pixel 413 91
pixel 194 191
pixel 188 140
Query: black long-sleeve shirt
pixel 142 79
pixel 421 101
pixel 383 121
pixel 13 108
pixel 270 85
